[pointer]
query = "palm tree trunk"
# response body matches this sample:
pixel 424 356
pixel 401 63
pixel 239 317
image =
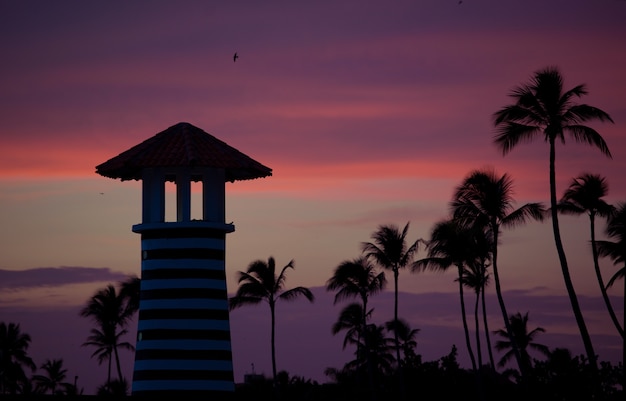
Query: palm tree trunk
pixel 596 266
pixel 478 351
pixel 487 337
pixel 463 317
pixel 395 314
pixel 117 363
pixel 591 355
pixel 368 358
pixel 396 273
pixel 109 369
pixel 477 375
pixel 273 340
pixel 505 316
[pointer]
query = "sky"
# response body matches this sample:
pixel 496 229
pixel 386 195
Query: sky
pixel 368 113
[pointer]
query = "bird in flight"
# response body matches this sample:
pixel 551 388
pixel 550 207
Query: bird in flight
pixel 235 57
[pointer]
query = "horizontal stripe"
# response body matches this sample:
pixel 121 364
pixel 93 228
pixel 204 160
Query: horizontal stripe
pixel 182 283
pixel 182 263
pixel 191 232
pixel 183 293
pixel 183 253
pixel 174 334
pixel 183 272
pixel 160 384
pixel 219 354
pixel 173 364
pixel 201 304
pixel 181 324
pixel 178 243
pixel 188 344
pixel 209 314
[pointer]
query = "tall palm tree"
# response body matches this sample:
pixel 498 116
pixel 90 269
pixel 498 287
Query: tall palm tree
pixel 525 341
pixel 54 377
pixel 451 244
pixel 485 199
pixel 108 310
pixel 261 283
pixel 13 358
pixel 475 276
pixel 392 252
pixel 543 107
pixel 616 250
pixel 584 195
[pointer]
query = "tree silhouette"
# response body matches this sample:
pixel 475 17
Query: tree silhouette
pixel 357 278
pixel 379 352
pixel 542 107
pixel 525 341
pixel 476 277
pixel 391 251
pixel 406 337
pixel 616 251
pixel 452 244
pixel 485 200
pixel 584 195
pixel 54 377
pixel 108 310
pixel 261 283
pixel 14 358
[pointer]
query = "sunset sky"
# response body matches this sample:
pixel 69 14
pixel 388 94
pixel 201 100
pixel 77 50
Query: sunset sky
pixel 368 113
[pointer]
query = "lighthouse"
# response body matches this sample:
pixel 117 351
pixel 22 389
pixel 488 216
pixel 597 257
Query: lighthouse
pixel 183 344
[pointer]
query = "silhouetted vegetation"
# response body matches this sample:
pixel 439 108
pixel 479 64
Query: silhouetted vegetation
pixel 386 363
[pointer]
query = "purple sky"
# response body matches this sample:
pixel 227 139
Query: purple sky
pixel 368 113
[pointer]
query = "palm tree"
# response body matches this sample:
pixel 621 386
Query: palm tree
pixel 391 251
pixel 525 340
pixel 54 377
pixel 543 107
pixel 406 335
pixel 379 352
pixel 486 200
pixel 351 320
pixel 108 341
pixel 261 283
pixel 451 244
pixel 475 276
pixel 13 358
pixel 584 195
pixel 357 278
pixel 108 310
pixel 616 251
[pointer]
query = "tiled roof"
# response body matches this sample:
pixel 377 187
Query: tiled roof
pixel 183 145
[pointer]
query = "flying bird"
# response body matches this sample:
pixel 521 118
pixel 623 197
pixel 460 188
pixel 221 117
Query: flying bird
pixel 235 57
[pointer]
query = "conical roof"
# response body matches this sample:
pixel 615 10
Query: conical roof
pixel 182 145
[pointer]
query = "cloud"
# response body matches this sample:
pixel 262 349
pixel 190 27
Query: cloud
pixel 56 276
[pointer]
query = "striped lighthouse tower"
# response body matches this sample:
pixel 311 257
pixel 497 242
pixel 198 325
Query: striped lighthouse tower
pixel 183 332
